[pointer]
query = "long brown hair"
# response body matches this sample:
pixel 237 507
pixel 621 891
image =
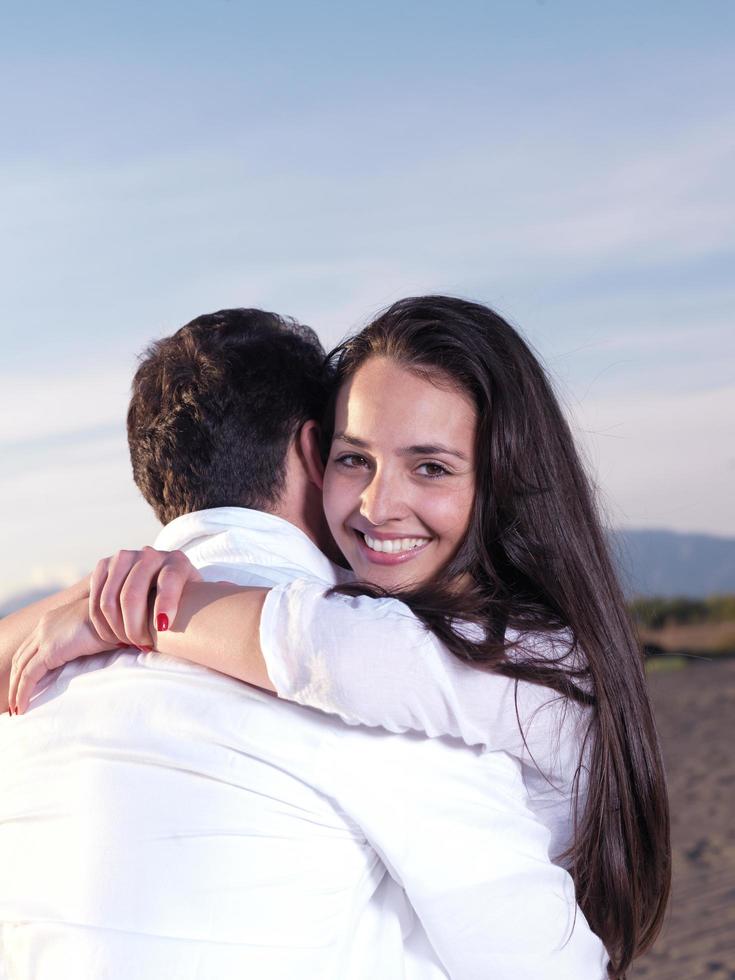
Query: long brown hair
pixel 539 561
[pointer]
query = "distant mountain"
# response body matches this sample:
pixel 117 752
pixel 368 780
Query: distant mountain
pixel 667 563
pixel 661 563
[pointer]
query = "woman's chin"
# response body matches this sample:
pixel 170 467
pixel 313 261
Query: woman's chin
pixel 391 575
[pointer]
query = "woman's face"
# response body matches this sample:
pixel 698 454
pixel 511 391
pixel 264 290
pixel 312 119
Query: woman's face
pixel 400 480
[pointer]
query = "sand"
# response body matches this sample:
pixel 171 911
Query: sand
pixel 695 712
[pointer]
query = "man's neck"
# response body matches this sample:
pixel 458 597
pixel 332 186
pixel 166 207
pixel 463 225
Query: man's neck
pixel 287 514
pixel 311 520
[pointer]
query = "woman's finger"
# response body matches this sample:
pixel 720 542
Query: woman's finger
pixel 97 581
pixel 109 600
pixel 33 670
pixel 135 594
pixel 172 578
pixel 22 655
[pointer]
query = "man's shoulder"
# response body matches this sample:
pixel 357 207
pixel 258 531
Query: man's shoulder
pixel 255 575
pixel 248 547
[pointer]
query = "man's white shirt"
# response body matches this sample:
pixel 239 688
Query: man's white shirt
pixel 157 818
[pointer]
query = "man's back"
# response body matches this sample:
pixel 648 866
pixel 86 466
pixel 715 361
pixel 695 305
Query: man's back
pixel 158 818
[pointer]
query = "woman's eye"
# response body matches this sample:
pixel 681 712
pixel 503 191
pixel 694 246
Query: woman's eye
pixel 351 460
pixel 433 470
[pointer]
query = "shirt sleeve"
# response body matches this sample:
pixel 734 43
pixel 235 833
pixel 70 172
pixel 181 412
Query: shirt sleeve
pixel 372 662
pixel 454 829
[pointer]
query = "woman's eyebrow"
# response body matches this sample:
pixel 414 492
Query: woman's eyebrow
pixel 352 440
pixel 432 449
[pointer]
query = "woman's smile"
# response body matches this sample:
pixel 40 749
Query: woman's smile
pixel 390 549
pixel 399 484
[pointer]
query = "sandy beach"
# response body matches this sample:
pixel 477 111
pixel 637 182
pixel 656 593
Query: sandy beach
pixel 695 709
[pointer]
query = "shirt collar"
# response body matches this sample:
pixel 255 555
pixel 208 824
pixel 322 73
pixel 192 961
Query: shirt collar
pixel 240 535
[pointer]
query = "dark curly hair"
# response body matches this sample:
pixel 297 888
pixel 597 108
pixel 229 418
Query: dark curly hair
pixel 215 406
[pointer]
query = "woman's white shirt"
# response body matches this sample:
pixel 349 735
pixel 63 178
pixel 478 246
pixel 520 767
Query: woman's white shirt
pixel 371 662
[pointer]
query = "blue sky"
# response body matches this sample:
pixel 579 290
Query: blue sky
pixel 568 164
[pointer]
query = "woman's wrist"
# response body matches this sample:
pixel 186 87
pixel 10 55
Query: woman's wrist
pixel 217 625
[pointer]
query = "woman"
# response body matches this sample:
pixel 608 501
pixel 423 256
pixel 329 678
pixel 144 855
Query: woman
pixel 491 538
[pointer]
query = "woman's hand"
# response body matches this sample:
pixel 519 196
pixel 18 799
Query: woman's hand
pixel 61 635
pixel 119 591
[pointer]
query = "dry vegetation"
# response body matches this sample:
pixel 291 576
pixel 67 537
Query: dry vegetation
pixel 712 638
pixel 682 625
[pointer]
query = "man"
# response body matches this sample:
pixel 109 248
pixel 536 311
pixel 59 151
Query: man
pixel 157 818
pixel 184 823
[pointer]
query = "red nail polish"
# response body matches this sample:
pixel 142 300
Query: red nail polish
pixel 162 622
pixel 146 649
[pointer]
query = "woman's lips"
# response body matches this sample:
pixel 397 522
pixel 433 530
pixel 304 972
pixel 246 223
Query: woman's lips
pixel 389 557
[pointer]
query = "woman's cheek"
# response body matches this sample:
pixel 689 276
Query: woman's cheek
pixel 339 497
pixel 451 511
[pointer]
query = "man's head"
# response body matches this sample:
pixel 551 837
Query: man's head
pixel 216 407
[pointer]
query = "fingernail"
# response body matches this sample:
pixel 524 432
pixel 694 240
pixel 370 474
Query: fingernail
pixel 146 649
pixel 16 709
pixel 162 622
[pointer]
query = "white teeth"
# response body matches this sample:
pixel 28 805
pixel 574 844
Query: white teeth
pixel 394 546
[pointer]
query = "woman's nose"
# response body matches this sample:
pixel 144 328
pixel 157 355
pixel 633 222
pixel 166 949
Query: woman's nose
pixel 381 500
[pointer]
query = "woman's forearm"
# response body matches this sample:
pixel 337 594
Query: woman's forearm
pixel 18 625
pixel 218 626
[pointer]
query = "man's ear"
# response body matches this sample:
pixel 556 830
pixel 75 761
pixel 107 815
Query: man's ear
pixel 309 444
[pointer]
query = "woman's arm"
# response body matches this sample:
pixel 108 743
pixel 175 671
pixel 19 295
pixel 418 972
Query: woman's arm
pixel 372 662
pixel 217 625
pixel 158 599
pixel 369 661
pixel 15 628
